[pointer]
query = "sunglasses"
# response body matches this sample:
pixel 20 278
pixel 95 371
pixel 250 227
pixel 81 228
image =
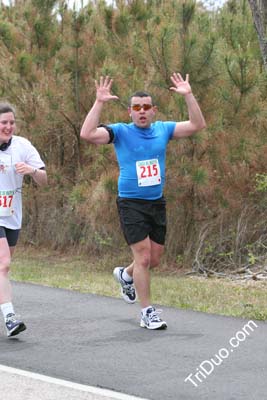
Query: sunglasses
pixel 138 107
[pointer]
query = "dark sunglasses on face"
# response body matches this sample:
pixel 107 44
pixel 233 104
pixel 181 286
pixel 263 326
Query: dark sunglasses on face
pixel 138 107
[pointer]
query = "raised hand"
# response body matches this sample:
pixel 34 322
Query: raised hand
pixel 181 86
pixel 103 89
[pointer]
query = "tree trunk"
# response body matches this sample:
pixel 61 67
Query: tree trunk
pixel 259 13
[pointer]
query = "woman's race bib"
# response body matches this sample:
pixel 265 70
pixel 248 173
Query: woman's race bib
pixel 6 200
pixel 6 196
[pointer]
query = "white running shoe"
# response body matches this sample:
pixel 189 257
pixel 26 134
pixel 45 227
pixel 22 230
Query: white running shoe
pixel 151 319
pixel 13 325
pixel 127 289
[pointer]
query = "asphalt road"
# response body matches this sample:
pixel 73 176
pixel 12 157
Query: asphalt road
pixel 96 341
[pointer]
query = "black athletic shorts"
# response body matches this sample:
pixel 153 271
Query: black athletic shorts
pixel 11 235
pixel 142 218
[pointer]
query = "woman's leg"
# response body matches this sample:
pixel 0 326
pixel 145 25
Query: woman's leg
pixel 5 259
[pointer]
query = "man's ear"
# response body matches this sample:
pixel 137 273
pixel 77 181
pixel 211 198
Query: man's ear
pixel 129 111
pixel 155 109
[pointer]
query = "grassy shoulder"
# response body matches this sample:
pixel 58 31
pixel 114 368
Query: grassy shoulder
pixel 219 296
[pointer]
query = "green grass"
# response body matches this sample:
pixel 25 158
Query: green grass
pixel 218 296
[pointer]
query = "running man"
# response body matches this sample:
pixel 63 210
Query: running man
pixel 18 157
pixel 140 148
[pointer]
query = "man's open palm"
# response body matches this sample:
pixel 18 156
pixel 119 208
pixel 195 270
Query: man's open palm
pixel 103 89
pixel 181 86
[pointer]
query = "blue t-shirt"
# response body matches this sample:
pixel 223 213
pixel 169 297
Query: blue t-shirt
pixel 141 154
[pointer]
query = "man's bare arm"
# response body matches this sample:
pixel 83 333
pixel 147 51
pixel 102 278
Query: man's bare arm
pixel 90 130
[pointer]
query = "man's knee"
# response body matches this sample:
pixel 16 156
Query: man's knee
pixel 144 261
pixel 4 265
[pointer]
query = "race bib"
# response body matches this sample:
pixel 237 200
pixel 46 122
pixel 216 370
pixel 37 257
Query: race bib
pixel 148 172
pixel 6 200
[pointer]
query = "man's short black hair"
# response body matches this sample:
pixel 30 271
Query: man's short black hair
pixel 140 94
